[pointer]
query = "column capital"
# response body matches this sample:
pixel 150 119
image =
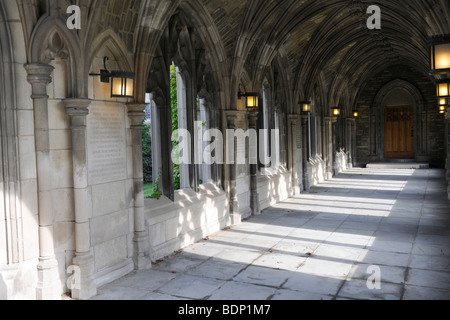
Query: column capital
pixel 77 107
pixel 233 117
pixel 39 73
pixel 252 114
pixel 136 113
pixel 136 109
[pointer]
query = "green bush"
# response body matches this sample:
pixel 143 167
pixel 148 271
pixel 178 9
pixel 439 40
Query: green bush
pixel 174 105
pixel 147 152
pixel 147 143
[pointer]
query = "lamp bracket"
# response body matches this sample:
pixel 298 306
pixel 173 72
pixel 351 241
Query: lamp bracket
pixel 104 74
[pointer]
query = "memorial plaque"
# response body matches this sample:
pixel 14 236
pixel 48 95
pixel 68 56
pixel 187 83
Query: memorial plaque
pixel 106 144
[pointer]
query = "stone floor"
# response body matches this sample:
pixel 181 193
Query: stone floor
pixel 323 244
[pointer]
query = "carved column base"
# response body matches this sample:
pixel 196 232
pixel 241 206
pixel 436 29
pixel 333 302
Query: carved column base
pixel 141 260
pixel 48 287
pixel 84 287
pixel 235 214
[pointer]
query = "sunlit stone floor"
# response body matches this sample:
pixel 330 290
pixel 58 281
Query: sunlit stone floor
pixel 328 243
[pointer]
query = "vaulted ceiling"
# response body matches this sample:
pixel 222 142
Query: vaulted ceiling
pixel 330 38
pixel 320 41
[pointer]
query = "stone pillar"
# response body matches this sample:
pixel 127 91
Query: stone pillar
pixel 292 151
pixel 254 195
pixel 78 110
pixel 162 143
pixel 333 146
pixel 232 124
pixel 49 285
pixel 305 135
pixel 328 147
pixel 447 125
pixel 350 137
pixel 216 169
pixel 136 113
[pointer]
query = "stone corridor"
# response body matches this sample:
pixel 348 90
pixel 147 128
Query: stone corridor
pixel 323 244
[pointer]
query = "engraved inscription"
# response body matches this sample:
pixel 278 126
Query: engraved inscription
pixel 107 144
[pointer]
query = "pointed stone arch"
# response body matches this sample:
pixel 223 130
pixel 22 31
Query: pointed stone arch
pixel 52 39
pixel 114 43
pixel 420 122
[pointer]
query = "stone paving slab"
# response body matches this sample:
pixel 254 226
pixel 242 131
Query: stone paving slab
pixel 319 245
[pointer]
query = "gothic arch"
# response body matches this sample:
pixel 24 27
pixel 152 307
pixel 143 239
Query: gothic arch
pixel 52 39
pixel 150 35
pixel 112 42
pixel 378 106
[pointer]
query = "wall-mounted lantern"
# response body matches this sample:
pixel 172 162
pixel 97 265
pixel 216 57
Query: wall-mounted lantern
pixel 336 111
pixel 122 82
pixel 440 54
pixel 305 106
pixel 443 105
pixel 443 88
pixel 252 100
pixel 355 114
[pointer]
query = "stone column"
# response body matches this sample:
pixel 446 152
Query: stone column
pixel 232 119
pixel 48 286
pixel 328 148
pixel 78 110
pixel 254 195
pixel 136 113
pixel 447 125
pixel 162 143
pixel 350 137
pixel 333 146
pixel 305 135
pixel 292 151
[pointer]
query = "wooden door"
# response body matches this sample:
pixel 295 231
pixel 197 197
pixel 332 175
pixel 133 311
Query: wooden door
pixel 399 132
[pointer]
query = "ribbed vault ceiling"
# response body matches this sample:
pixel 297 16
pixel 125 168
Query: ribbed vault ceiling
pixel 319 41
pixel 330 37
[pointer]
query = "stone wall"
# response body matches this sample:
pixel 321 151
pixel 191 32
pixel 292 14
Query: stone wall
pixel 174 225
pixel 274 186
pixel 110 179
pixel 316 170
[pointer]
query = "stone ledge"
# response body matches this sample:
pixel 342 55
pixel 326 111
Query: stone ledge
pixel 398 166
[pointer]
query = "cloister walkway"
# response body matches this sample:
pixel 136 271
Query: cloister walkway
pixel 322 244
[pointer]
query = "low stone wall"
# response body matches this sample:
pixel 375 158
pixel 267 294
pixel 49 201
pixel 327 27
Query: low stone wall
pixel 191 217
pixel 274 186
pixel 341 164
pixel 317 171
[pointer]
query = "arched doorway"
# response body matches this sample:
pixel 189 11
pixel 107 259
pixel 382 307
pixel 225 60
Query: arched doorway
pixel 401 123
pixel 399 132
